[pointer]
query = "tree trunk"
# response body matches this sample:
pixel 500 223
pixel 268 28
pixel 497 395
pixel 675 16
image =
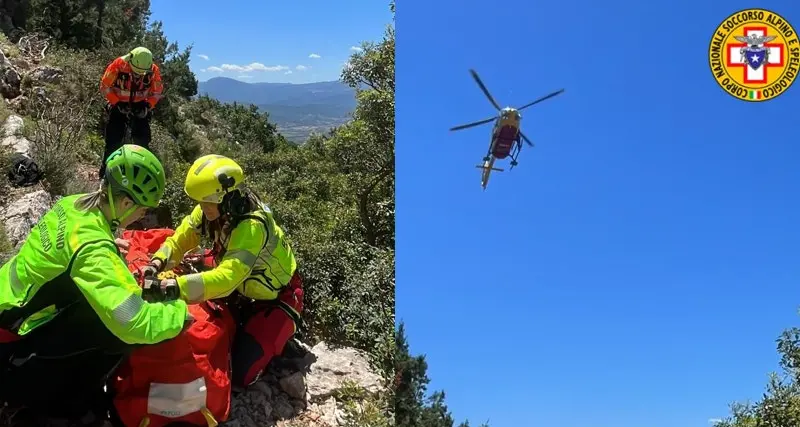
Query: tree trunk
pixel 98 35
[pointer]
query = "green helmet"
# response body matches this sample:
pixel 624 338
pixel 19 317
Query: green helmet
pixel 141 59
pixel 138 173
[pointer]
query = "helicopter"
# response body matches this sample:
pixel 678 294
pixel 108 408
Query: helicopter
pixel 506 133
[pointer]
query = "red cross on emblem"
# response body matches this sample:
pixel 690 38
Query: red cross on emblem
pixel 751 76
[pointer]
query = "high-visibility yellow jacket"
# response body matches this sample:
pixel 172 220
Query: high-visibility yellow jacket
pixel 256 260
pixel 71 254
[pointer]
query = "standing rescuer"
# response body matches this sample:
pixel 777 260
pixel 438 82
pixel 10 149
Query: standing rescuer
pixel 132 86
pixel 256 272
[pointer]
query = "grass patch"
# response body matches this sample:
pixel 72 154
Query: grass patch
pixel 364 409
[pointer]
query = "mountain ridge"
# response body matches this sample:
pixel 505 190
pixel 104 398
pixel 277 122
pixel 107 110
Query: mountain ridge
pixel 298 109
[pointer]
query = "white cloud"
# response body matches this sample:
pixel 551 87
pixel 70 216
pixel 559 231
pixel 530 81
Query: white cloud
pixel 215 69
pixel 203 56
pixel 714 420
pixel 301 68
pixel 356 49
pixel 314 55
pixel 255 66
pixel 288 72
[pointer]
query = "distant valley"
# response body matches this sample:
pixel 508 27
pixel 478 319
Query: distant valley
pixel 297 109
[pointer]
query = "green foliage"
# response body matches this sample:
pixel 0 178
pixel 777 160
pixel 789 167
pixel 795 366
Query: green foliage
pixel 87 24
pixel 780 403
pixel 241 125
pixel 9 49
pixel 364 148
pixel 80 84
pixel 351 296
pixel 412 407
pixel 362 409
pixel 4 112
pixel 57 132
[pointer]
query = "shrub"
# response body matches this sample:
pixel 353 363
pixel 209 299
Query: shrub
pixel 57 136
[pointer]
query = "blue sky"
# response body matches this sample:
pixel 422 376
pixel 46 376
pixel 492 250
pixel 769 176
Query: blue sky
pixel 271 41
pixel 637 266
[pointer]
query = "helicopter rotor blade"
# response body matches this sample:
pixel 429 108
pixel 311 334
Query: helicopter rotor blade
pixel 484 89
pixel 480 122
pixel 526 139
pixel 558 92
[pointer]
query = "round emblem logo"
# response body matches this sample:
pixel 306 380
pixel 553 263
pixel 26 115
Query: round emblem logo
pixel 754 55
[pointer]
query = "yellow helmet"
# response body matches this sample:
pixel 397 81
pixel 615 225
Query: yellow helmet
pixel 211 177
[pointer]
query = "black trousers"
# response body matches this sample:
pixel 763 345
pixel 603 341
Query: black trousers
pixel 59 369
pixel 116 126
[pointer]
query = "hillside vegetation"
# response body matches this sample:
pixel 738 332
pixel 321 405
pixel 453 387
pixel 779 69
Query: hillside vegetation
pixel 333 195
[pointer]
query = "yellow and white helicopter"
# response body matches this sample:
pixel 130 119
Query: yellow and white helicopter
pixel 506 134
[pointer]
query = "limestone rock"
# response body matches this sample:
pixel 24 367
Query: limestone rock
pixel 299 386
pixel 10 79
pixel 294 385
pixel 11 135
pixel 22 214
pixel 334 367
pixel 47 74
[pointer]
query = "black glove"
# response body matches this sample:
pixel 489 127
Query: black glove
pixel 151 286
pixel 151 290
pixel 152 269
pixel 155 290
pixel 170 289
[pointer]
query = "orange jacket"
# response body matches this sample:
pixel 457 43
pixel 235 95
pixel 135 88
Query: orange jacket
pixel 118 78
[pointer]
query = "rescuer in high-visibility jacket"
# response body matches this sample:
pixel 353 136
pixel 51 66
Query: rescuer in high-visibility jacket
pixel 70 309
pixel 132 87
pixel 255 268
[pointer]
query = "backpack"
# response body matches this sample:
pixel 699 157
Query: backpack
pixel 23 171
pixel 183 380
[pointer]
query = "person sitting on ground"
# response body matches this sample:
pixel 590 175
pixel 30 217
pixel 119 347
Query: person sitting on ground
pixel 256 272
pixel 70 309
pixel 132 87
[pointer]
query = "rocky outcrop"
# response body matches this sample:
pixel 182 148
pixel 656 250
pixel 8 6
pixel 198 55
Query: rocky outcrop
pixel 21 215
pixel 46 74
pixel 14 71
pixel 301 386
pixel 10 79
pixel 12 136
pixel 335 366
